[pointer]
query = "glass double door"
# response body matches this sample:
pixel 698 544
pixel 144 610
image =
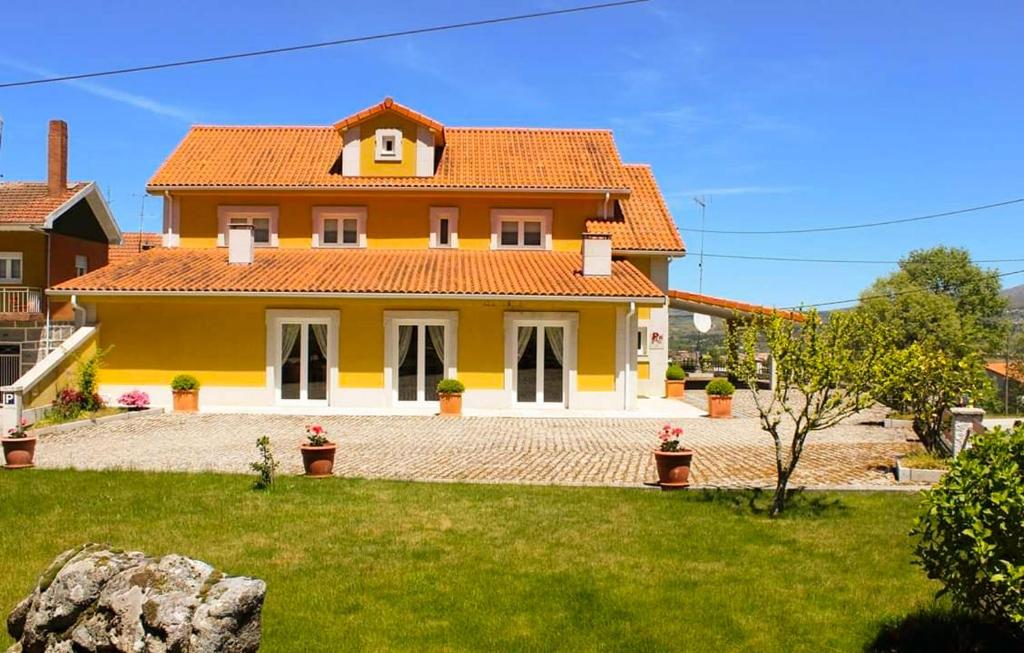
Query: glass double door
pixel 303 368
pixel 421 361
pixel 540 367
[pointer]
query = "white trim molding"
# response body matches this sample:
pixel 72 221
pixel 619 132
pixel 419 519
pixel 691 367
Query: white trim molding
pixel 341 214
pixel 171 236
pixel 385 135
pixel 569 321
pixel 350 151
pixel 521 216
pixel 450 213
pixel 394 319
pixel 226 213
pixel 424 152
pixel 274 319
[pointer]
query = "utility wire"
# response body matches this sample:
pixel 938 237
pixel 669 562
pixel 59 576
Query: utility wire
pixel 863 225
pixel 898 293
pixel 843 261
pixel 326 44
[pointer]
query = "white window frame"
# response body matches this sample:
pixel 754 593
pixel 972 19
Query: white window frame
pixel 225 214
pixel 277 317
pixel 394 319
pixel 339 213
pixel 570 323
pixel 379 153
pixel 5 260
pixel 521 216
pixel 81 264
pixel 643 340
pixel 438 213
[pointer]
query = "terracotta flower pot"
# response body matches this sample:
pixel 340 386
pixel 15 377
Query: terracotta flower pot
pixel 186 401
pixel 318 461
pixel 673 468
pixel 675 389
pixel 719 406
pixel 19 453
pixel 451 403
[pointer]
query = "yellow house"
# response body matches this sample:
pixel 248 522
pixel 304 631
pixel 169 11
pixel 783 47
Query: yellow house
pixel 353 266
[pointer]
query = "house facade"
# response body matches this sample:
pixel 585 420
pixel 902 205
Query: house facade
pixel 355 265
pixel 50 231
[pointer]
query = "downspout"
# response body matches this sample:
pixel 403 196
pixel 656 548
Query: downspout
pixel 75 308
pixel 630 342
pixel 604 208
pixel 45 297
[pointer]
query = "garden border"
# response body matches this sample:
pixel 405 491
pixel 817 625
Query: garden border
pixel 78 423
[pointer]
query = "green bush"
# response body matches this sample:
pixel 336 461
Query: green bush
pixel 675 372
pixel 184 382
pixel 971 533
pixel 86 379
pixel 450 386
pixel 720 388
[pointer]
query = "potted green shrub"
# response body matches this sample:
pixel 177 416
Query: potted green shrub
pixel 449 393
pixel 318 452
pixel 675 381
pixel 185 389
pixel 672 459
pixel 19 447
pixel 720 393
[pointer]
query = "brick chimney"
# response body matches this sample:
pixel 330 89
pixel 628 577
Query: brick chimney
pixel 57 158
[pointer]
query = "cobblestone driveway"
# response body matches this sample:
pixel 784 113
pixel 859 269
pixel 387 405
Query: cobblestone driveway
pixel 486 449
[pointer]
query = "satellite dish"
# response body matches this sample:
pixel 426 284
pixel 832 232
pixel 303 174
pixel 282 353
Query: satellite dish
pixel 702 322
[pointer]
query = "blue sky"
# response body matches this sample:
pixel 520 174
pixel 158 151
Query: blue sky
pixel 789 114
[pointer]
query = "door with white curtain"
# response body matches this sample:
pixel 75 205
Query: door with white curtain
pixel 540 369
pixel 420 360
pixel 303 367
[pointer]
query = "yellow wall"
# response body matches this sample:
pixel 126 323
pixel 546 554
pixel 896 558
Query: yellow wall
pixel 394 221
pixel 32 246
pixel 368 165
pixel 223 341
pixel 643 370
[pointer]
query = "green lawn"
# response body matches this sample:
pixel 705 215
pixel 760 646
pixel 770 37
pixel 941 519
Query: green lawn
pixel 376 565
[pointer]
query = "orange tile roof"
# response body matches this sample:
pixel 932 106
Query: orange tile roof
pixel 366 271
pixel 473 159
pixel 133 244
pixel 732 305
pixel 388 104
pixel 999 369
pixel 28 202
pixel 644 222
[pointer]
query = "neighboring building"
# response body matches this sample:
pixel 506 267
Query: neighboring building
pixel 1009 384
pixel 50 231
pixel 355 265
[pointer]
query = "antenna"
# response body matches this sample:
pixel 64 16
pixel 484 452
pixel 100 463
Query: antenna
pixel 142 217
pixel 702 201
pixel 1 136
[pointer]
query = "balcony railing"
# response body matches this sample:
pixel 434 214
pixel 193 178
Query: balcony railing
pixel 20 299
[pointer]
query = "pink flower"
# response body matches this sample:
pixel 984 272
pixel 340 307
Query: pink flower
pixel 677 432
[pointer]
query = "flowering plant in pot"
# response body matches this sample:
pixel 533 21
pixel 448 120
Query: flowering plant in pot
pixel 19 447
pixel 134 400
pixel 449 394
pixel 720 393
pixel 672 459
pixel 185 389
pixel 675 381
pixel 318 452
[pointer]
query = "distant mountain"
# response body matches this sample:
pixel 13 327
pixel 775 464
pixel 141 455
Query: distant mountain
pixel 1015 296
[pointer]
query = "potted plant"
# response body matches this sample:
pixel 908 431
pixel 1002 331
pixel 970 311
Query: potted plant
pixel 720 393
pixel 134 400
pixel 318 452
pixel 185 389
pixel 675 381
pixel 19 447
pixel 449 393
pixel 672 459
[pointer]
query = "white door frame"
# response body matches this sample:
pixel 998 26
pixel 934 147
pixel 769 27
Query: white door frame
pixel 570 323
pixel 278 317
pixel 394 319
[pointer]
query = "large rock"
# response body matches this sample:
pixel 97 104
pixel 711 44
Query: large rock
pixel 94 598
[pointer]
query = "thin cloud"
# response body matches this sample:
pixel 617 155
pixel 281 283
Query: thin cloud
pixel 99 90
pixel 736 190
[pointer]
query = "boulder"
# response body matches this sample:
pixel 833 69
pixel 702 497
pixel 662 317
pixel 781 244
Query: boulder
pixel 95 598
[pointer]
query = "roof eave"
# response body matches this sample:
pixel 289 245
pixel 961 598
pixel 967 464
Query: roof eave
pixel 157 189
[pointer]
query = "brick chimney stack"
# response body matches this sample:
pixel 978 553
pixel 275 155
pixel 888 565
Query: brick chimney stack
pixel 57 158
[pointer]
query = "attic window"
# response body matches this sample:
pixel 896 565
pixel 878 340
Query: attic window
pixel 388 145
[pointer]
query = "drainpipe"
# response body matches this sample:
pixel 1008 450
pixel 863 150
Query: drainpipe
pixel 630 342
pixel 604 207
pixel 45 298
pixel 76 308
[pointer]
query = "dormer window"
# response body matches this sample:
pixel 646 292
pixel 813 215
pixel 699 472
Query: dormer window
pixel 388 145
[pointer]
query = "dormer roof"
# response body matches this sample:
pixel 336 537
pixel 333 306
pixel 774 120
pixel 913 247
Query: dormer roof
pixel 388 104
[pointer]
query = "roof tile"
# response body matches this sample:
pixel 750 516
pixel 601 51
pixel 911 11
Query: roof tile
pixel 29 202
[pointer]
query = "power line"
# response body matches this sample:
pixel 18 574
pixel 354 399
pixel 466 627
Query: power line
pixel 843 261
pixel 326 44
pixel 887 295
pixel 863 225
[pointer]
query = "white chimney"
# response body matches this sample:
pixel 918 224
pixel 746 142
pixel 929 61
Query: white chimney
pixel 241 244
pixel 597 255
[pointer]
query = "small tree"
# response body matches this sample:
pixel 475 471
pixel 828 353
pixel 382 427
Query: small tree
pixel 926 382
pixel 825 372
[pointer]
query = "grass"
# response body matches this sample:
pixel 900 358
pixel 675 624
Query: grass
pixel 925 460
pixel 374 565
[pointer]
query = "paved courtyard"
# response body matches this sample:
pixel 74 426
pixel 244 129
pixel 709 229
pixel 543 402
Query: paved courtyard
pixel 569 451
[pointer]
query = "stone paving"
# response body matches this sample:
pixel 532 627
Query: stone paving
pixel 563 451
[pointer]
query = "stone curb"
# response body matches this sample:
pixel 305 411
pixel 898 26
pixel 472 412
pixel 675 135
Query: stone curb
pixel 79 423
